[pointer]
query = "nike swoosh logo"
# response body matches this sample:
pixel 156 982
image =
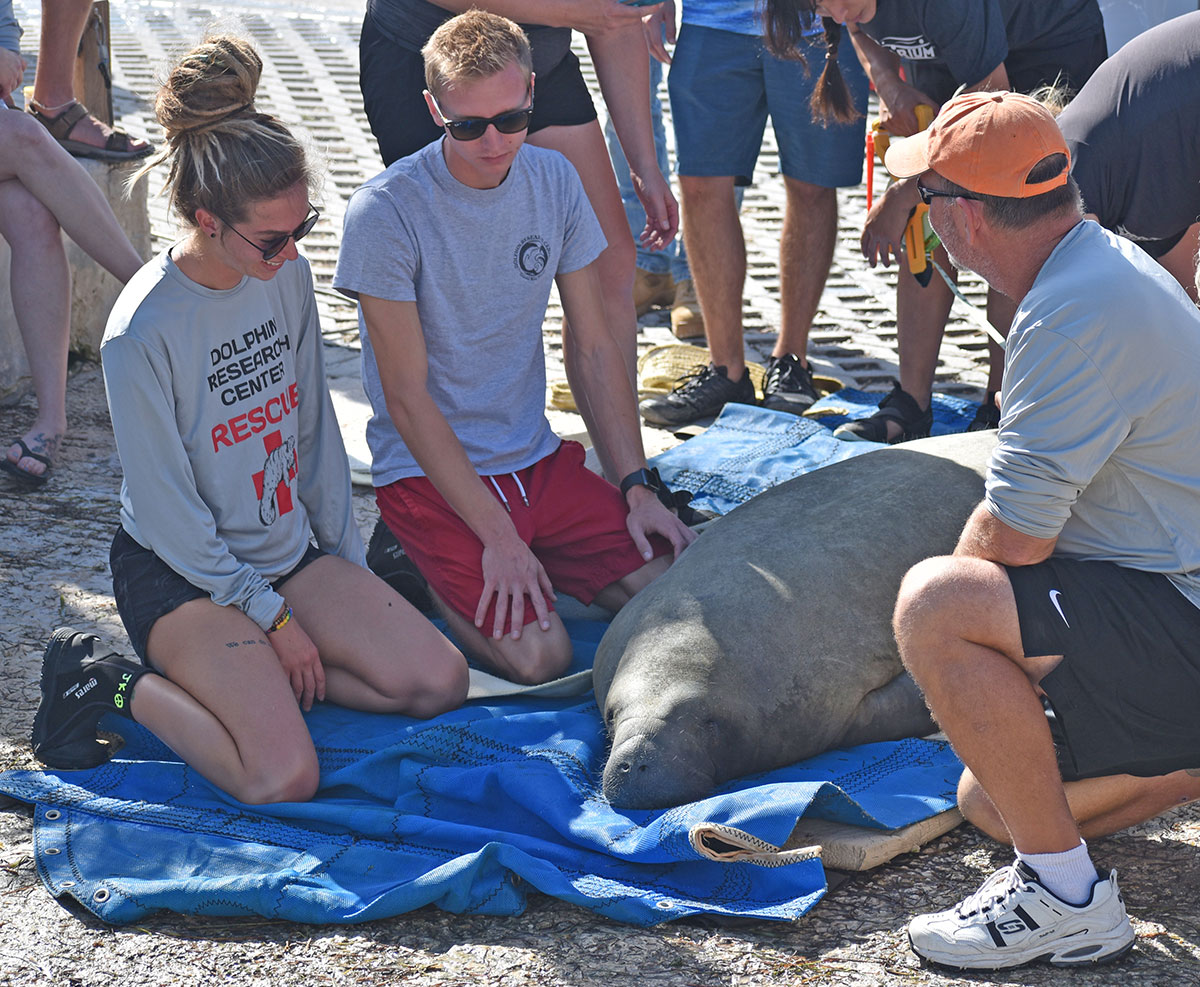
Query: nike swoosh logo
pixel 1054 595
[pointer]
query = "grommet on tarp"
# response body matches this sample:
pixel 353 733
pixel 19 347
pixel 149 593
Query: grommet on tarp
pixel 53 814
pixel 101 895
pixel 67 884
pixel 52 851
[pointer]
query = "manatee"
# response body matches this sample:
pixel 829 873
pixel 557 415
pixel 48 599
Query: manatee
pixel 770 639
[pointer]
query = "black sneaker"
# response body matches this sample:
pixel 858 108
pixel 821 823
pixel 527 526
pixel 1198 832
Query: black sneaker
pixel 389 562
pixel 898 406
pixel 789 385
pixel 988 415
pixel 78 689
pixel 701 394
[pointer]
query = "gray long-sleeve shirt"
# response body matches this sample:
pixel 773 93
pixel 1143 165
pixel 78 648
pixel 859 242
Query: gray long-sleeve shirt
pixel 226 430
pixel 1100 435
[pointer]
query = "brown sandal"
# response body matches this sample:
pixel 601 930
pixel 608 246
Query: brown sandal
pixel 118 147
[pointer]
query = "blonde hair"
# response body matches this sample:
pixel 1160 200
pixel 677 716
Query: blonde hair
pixel 474 45
pixel 223 154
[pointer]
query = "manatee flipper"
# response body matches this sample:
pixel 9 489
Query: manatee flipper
pixel 899 704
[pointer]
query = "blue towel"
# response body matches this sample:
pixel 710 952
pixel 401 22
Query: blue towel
pixel 468 811
pixel 748 449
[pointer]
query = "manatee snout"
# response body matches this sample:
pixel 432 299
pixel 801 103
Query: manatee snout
pixel 655 765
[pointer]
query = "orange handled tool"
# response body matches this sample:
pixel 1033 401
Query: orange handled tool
pixel 914 232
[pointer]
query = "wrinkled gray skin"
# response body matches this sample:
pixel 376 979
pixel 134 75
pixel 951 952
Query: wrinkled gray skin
pixel 770 640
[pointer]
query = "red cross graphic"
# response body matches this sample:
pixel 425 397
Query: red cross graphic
pixel 283 492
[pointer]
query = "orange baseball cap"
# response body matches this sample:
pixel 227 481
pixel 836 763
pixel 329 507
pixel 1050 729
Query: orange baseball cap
pixel 987 142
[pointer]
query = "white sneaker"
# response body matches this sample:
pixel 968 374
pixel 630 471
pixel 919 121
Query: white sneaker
pixel 1012 919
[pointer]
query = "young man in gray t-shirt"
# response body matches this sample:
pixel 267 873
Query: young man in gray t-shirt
pixel 451 253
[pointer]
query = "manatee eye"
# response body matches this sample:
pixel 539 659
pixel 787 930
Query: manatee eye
pixel 610 715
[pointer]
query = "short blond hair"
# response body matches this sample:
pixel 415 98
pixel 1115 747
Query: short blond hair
pixel 474 45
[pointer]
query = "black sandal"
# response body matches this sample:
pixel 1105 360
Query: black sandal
pixel 898 406
pixel 988 415
pixel 29 479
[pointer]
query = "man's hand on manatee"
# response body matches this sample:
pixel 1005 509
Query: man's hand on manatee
pixel 510 573
pixel 647 516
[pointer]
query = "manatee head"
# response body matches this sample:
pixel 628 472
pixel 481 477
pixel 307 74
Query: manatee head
pixel 672 746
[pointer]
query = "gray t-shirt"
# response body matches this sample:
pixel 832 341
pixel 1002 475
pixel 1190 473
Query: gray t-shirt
pixel 1099 435
pixel 479 263
pixel 226 431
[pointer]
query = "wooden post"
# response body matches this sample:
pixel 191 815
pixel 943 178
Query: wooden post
pixel 93 65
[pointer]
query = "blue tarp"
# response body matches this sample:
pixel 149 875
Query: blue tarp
pixel 468 811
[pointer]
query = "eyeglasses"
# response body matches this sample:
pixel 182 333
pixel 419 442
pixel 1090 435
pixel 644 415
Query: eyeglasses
pixel 928 194
pixel 275 245
pixel 472 128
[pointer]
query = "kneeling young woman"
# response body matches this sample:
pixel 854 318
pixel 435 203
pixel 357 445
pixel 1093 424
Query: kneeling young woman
pixel 232 460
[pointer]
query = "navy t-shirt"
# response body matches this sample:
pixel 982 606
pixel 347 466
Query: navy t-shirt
pixel 948 43
pixel 409 23
pixel 1134 135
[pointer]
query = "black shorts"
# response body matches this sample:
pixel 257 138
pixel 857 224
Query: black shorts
pixel 1070 64
pixel 146 588
pixel 392 79
pixel 1125 699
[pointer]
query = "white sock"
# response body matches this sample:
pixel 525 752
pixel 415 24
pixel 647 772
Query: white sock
pixel 1069 874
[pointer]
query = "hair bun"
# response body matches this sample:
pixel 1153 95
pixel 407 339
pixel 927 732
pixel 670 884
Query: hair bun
pixel 216 80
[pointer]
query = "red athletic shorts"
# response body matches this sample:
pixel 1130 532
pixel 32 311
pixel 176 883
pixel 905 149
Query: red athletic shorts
pixel 574 523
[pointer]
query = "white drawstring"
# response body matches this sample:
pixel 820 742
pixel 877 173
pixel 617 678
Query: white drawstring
pixel 500 493
pixel 517 481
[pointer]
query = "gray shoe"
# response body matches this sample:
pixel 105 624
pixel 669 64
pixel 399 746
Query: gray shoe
pixel 789 385
pixel 701 394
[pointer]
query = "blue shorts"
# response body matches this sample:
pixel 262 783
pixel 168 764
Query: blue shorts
pixel 723 85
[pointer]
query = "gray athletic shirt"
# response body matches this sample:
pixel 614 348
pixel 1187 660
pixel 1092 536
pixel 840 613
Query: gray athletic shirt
pixel 479 263
pixel 1100 435
pixel 226 431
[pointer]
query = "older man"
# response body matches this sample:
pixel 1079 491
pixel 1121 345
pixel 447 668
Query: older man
pixel 1058 646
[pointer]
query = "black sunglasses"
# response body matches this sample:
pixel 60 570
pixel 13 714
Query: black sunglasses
pixel 276 244
pixel 472 128
pixel 928 194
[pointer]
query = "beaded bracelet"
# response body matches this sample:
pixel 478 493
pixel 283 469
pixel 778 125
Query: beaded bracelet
pixel 281 621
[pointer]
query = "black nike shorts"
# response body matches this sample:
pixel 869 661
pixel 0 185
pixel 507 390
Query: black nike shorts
pixel 1125 699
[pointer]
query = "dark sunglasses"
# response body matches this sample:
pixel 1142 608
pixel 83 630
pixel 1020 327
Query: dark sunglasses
pixel 928 194
pixel 276 244
pixel 472 128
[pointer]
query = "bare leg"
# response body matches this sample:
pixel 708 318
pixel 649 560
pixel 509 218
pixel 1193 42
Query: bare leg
pixel 716 250
pixel 957 628
pixel 40 281
pixel 380 654
pixel 805 255
pixel 1180 260
pixel 30 155
pixel 921 315
pixel 227 708
pixel 225 705
pixel 537 656
pixel 63 22
pixel 1101 806
pixel 616 595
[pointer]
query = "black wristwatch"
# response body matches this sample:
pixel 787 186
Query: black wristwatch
pixel 644 478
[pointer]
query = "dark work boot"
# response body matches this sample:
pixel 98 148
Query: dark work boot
pixel 78 688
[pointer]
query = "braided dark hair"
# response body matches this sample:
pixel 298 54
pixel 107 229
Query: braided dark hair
pixel 783 24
